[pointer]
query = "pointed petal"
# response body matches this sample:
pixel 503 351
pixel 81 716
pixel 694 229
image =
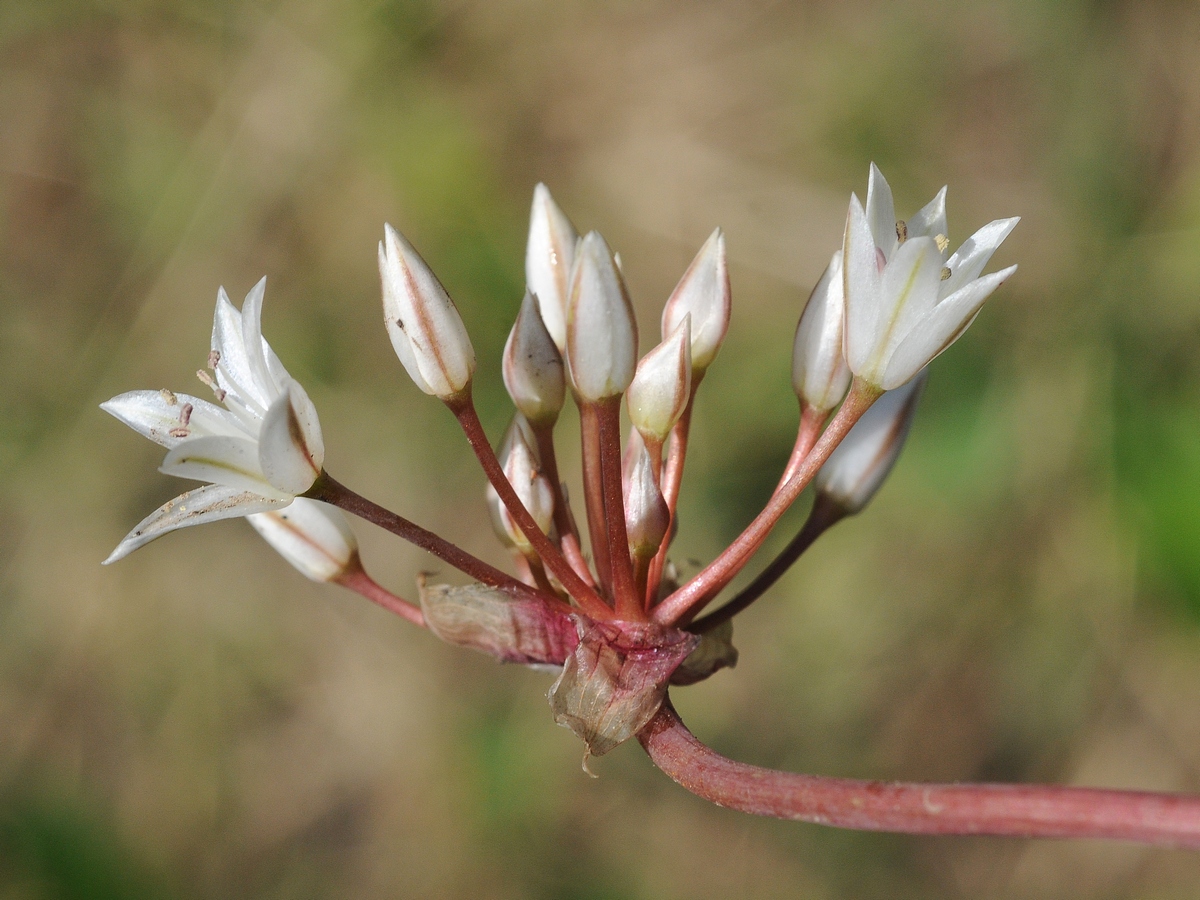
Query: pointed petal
pixel 549 254
pixel 931 219
pixel 940 328
pixel 910 290
pixel 207 504
pixel 881 212
pixel 290 448
pixel 863 287
pixel 662 384
pixel 532 367
pixel 969 259
pixel 395 311
pixel 160 416
pixel 234 374
pixel 601 332
pixel 221 460
pixel 255 345
pixel 820 376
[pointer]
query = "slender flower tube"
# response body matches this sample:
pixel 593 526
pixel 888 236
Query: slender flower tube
pixel 662 385
pixel 601 332
pixel 313 536
pixel 260 451
pixel 906 301
pixel 703 292
pixel 864 458
pixel 549 256
pixel 532 367
pixel 820 375
pixel 426 330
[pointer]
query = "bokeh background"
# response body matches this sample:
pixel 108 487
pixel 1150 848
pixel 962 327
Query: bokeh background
pixel 1022 602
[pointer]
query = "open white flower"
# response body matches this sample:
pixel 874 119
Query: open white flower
pixel 259 452
pixel 907 300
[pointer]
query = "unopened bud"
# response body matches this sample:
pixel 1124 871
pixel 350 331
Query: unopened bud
pixel 518 429
pixel 646 514
pixel 662 385
pixel 861 462
pixel 601 331
pixel 532 488
pixel 532 366
pixel 313 536
pixel 820 375
pixel 426 330
pixel 703 291
pixel 549 255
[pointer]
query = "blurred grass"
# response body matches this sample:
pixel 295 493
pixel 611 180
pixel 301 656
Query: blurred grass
pixel 1022 601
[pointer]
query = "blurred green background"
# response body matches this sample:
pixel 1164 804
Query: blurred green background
pixel 1022 602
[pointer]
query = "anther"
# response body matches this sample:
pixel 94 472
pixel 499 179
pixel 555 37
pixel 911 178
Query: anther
pixel 207 380
pixel 168 397
pixel 214 359
pixel 901 230
pixel 179 432
pixel 945 272
pixel 185 415
pixel 943 243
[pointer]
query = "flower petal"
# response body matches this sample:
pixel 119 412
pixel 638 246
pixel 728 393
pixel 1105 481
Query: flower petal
pixel 168 419
pixel 549 254
pixel 255 345
pixel 930 220
pixel 230 461
pixel 207 504
pixel 863 286
pixel 910 290
pixel 290 447
pixel 940 328
pixel 881 212
pixel 313 536
pixel 234 375
pixel 820 376
pixel 969 259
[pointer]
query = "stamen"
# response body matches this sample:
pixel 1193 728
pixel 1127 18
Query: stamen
pixel 180 432
pixel 214 359
pixel 945 273
pixel 901 230
pixel 207 380
pixel 943 243
pixel 169 397
pixel 185 415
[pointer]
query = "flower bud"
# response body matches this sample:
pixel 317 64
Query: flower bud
pixel 601 331
pixel 704 292
pixel 857 468
pixel 820 375
pixel 518 429
pixel 532 488
pixel 662 385
pixel 646 515
pixel 426 330
pixel 549 255
pixel 313 536
pixel 532 366
pixel 291 450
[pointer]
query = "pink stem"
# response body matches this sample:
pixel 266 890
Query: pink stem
pixel 672 480
pixel 593 491
pixel 908 808
pixel 811 423
pixel 691 598
pixel 468 419
pixel 568 537
pixel 360 582
pixel 628 604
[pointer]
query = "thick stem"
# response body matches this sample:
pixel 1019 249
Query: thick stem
pixel 360 582
pixel 824 515
pixel 593 491
pixel 337 494
pixel 568 536
pixel 628 603
pixel 991 809
pixel 468 419
pixel 811 423
pixel 672 480
pixel 691 598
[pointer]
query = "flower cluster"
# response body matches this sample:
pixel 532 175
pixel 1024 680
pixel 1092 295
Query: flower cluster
pixel 604 605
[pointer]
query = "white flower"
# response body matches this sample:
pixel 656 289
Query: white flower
pixel 906 300
pixel 820 376
pixel 258 452
pixel 662 384
pixel 549 255
pixel 601 331
pixel 427 332
pixel 532 366
pixel 861 462
pixel 313 536
pixel 703 292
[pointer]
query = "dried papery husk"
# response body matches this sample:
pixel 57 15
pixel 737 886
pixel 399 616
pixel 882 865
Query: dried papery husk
pixel 715 652
pixel 493 621
pixel 615 680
